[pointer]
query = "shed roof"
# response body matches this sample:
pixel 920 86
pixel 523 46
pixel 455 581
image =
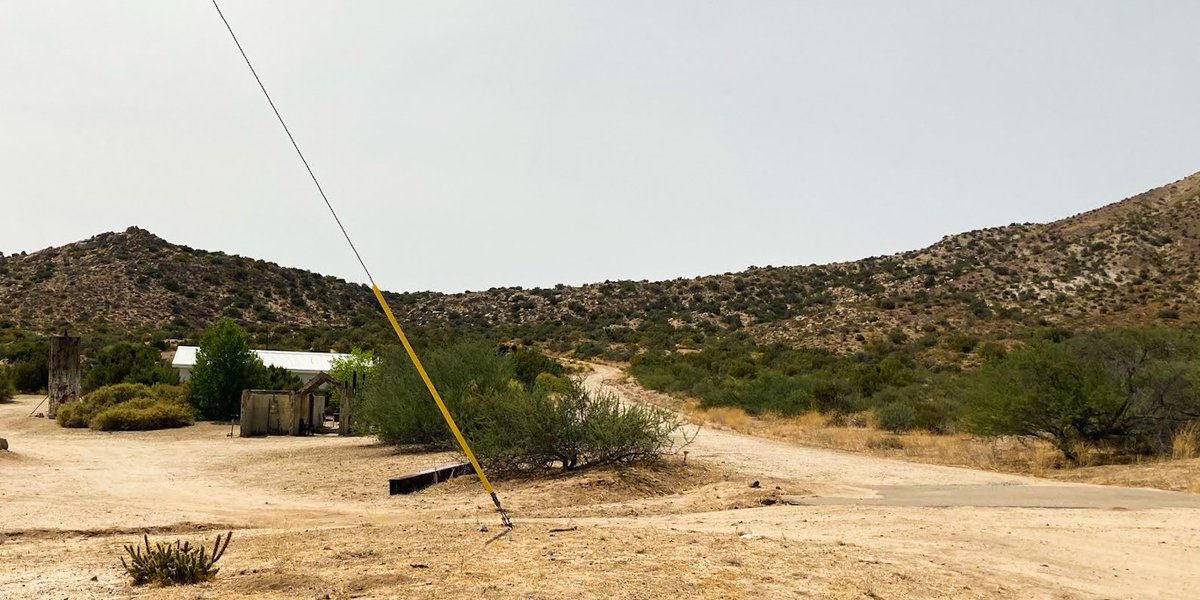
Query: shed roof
pixel 298 362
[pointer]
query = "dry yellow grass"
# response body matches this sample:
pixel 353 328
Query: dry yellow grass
pixel 1186 443
pixel 733 418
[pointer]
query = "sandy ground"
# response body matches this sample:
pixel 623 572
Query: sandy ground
pixel 312 519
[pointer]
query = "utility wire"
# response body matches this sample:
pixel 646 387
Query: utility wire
pixel 293 140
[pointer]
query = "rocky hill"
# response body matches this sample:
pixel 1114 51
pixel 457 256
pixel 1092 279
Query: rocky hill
pixel 1129 262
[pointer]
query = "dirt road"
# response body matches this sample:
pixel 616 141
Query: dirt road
pixel 844 478
pixel 314 520
pixel 1078 538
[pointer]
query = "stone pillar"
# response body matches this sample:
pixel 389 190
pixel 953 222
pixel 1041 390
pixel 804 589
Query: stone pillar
pixel 63 386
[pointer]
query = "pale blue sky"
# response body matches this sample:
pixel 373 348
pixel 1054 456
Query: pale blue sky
pixel 473 144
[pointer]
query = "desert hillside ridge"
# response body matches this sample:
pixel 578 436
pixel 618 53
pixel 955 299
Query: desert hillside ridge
pixel 1130 262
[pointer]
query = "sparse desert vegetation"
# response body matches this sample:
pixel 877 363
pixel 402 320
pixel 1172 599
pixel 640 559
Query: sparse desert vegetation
pixel 1033 355
pixel 1101 396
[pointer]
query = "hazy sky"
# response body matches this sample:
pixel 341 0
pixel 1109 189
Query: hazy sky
pixel 473 144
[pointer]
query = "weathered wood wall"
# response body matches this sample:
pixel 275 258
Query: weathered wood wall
pixel 63 386
pixel 274 413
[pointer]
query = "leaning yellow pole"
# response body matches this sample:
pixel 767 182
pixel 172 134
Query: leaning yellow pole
pixel 412 354
pixel 462 442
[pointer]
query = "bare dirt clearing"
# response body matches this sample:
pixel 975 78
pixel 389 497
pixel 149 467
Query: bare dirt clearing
pixel 313 519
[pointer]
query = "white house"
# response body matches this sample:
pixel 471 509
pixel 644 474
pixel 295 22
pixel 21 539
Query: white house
pixel 304 365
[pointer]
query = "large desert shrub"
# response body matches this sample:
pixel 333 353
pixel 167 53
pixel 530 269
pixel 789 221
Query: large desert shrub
pixel 78 414
pixel 552 424
pixel 1126 389
pixel 569 430
pixel 528 363
pixel 896 417
pixel 142 414
pixel 224 367
pixel 398 408
pixel 128 407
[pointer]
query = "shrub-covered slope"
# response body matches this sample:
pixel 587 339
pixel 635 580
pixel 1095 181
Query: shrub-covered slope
pixel 1130 262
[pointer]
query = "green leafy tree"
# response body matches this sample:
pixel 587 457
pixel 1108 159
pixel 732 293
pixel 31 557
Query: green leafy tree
pixel 224 367
pixel 359 361
pixel 128 363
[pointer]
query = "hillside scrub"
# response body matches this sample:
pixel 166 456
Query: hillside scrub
pixel 128 406
pixel 1127 390
pixel 127 362
pixel 735 372
pixel 29 364
pixel 1119 392
pixel 550 422
pixel 7 389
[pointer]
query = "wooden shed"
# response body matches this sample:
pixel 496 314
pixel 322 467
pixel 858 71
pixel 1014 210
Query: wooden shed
pixel 284 412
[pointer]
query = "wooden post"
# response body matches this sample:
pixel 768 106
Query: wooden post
pixel 248 414
pixel 344 411
pixel 63 386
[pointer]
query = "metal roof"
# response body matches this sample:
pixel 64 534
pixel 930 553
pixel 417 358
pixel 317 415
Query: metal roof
pixel 297 362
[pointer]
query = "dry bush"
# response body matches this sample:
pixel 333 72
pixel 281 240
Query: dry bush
pixel 1085 454
pixel 885 442
pixel 812 419
pixel 1186 442
pixel 733 418
pixel 1045 457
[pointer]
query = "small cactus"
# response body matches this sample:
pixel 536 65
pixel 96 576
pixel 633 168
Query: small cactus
pixel 177 563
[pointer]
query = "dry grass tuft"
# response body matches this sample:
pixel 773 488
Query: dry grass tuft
pixel 1186 443
pixel 885 442
pixel 1044 458
pixel 1086 455
pixel 811 419
pixel 733 418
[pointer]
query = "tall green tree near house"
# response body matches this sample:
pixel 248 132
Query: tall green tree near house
pixel 225 366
